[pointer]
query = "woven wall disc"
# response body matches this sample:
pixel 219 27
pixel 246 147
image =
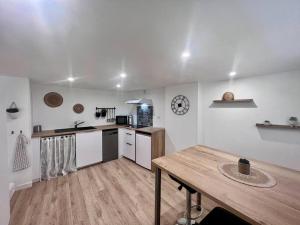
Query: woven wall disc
pixel 78 108
pixel 53 99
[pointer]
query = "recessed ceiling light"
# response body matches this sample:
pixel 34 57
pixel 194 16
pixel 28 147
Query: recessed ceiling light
pixel 118 85
pixel 71 79
pixel 185 55
pixel 232 73
pixel 123 75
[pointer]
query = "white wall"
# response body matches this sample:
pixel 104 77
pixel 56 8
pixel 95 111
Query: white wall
pixel 181 131
pixel 158 98
pixel 233 129
pixel 63 116
pixel 18 90
pixel 4 178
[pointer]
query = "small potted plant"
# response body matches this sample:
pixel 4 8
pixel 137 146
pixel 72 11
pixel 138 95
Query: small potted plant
pixel 244 166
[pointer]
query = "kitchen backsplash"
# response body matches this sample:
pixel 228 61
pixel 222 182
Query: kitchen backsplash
pixel 145 115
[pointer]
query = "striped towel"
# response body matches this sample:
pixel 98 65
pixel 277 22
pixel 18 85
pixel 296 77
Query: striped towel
pixel 21 161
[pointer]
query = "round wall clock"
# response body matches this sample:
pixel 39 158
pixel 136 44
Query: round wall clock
pixel 180 105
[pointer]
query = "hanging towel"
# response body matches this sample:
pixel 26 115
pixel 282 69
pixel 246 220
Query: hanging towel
pixel 21 161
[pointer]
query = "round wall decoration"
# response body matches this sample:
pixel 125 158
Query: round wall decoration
pixel 53 99
pixel 180 105
pixel 78 108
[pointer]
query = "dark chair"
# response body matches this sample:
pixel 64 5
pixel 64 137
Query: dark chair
pixel 189 192
pixel 220 216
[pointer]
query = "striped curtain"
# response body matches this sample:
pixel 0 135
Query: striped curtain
pixel 58 156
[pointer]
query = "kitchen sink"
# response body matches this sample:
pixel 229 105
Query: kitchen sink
pixel 74 129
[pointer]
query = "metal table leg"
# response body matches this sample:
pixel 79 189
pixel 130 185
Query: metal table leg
pixel 199 201
pixel 157 195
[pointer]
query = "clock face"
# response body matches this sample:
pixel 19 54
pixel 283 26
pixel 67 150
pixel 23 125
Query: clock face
pixel 180 105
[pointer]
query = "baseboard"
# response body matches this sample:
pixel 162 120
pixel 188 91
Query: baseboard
pixel 12 189
pixel 23 186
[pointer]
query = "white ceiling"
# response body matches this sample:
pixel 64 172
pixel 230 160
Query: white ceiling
pixel 94 40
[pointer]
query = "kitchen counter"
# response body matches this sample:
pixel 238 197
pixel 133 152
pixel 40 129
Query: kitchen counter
pixel 51 133
pixel 150 130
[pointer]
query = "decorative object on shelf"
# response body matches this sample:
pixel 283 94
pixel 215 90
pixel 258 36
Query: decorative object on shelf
pixel 257 177
pixel 53 99
pixel 228 96
pixel 78 108
pixel 180 105
pixel 293 121
pixel 244 166
pixel 267 122
pixel 13 111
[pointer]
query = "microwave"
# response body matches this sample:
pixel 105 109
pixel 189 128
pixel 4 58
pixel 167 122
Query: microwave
pixel 122 120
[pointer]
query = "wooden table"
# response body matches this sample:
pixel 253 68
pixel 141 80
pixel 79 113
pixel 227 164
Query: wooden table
pixel 197 167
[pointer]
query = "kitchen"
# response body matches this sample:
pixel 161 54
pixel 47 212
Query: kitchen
pixel 149 112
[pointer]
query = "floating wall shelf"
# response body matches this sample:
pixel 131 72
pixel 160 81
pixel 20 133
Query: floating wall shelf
pixel 277 126
pixel 234 101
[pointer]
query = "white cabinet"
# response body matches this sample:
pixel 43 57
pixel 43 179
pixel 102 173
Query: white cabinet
pixel 143 150
pixel 36 159
pixel 88 148
pixel 127 143
pixel 121 141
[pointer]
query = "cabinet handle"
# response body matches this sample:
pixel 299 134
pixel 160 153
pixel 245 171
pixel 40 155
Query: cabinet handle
pixel 128 134
pixel 128 144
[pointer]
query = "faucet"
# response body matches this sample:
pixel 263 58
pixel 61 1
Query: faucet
pixel 77 123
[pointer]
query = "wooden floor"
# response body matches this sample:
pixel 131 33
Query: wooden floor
pixel 113 193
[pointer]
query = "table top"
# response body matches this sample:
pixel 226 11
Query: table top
pixel 198 167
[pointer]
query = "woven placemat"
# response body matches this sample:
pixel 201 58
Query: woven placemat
pixel 257 177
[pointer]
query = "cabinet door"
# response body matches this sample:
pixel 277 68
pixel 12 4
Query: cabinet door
pixel 88 148
pixel 129 144
pixel 143 150
pixel 121 140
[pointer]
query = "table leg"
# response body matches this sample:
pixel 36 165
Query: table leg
pixel 157 195
pixel 199 201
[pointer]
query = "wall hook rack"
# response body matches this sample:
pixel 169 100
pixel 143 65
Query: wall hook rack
pixel 104 112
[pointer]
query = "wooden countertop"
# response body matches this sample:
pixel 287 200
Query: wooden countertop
pixel 148 130
pixel 197 167
pixel 50 133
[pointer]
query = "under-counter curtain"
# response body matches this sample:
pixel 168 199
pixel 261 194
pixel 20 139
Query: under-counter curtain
pixel 58 156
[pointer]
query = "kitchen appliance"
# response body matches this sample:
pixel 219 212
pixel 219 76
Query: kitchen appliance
pixel 143 150
pixel 122 120
pixel 37 128
pixel 110 145
pixel 140 101
pixel 130 120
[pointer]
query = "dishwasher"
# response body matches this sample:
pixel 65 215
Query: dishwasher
pixel 109 145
